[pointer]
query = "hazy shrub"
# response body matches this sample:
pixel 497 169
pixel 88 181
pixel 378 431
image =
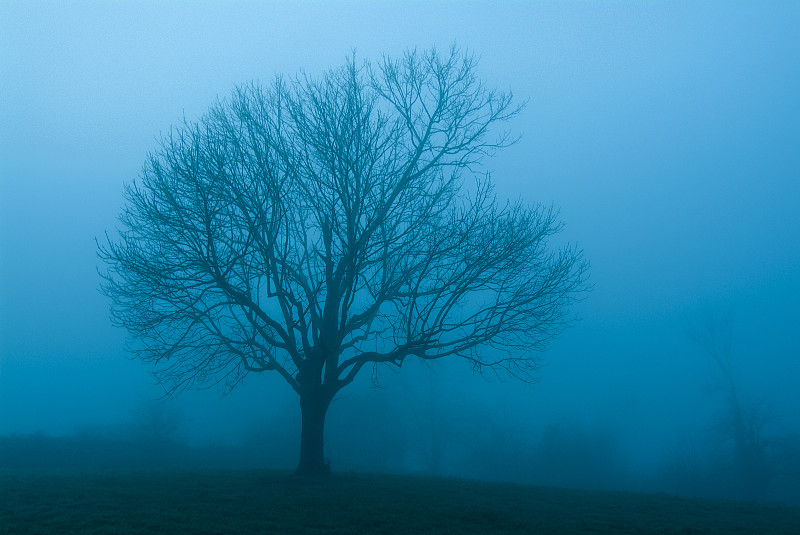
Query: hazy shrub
pixel 496 448
pixel 366 432
pixel 559 456
pixel 275 442
pixel 81 451
pixel 157 421
pixel 575 458
pixel 708 466
pixel 106 451
pixel 695 469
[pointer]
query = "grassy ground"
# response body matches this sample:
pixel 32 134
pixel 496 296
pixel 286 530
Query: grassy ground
pixel 272 502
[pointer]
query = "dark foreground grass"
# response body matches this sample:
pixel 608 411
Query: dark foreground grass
pixel 243 502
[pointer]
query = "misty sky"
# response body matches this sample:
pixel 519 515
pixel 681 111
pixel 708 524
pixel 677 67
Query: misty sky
pixel 668 134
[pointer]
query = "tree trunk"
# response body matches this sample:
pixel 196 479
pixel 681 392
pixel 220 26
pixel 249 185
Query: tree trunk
pixel 313 407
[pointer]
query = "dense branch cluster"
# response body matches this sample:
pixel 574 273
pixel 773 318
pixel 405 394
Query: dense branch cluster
pixel 316 226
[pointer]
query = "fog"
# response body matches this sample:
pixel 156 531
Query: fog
pixel 667 134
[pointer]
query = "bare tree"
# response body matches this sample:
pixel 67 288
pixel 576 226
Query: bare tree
pixel 745 419
pixel 321 225
pixel 157 421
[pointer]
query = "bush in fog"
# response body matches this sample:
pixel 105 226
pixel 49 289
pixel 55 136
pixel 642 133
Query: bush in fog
pixel 273 442
pixel 157 421
pixel 560 456
pixel 370 433
pixel 695 468
pixel 96 450
pixel 496 447
pixel 707 466
pixel 575 458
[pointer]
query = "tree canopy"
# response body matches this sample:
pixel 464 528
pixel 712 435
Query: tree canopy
pixel 319 225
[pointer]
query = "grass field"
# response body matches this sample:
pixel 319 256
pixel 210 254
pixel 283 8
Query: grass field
pixel 275 502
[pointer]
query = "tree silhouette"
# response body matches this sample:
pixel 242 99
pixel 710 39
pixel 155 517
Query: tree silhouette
pixel 318 226
pixel 745 419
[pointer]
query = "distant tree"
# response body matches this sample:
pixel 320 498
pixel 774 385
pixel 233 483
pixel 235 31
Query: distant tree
pixel 316 227
pixel 434 426
pixel 157 421
pixel 745 419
